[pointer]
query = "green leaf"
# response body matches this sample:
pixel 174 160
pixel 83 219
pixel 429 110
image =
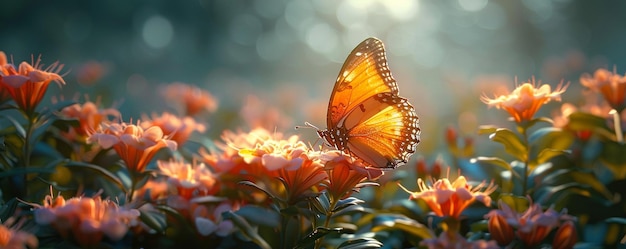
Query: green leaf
pixel 487 129
pixel 587 178
pixel 246 229
pixel 97 169
pixel 360 243
pixel 262 189
pixel 348 210
pixel 316 234
pixel 322 203
pixel 512 143
pixel 495 161
pixel 154 220
pixel 547 154
pixel 259 215
pixel 403 223
pixel 344 203
pixel 18 127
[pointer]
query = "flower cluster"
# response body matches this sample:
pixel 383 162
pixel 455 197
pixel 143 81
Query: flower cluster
pixel 531 227
pixel 86 219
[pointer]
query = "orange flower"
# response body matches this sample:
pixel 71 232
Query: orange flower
pixel 450 199
pixel 89 116
pixel 189 179
pixel 132 143
pixel 86 219
pixel 500 230
pixel 193 99
pixel 12 237
pixel 301 181
pixel 346 174
pixel 28 83
pixel 178 129
pixel 565 237
pixel 611 85
pixel 525 100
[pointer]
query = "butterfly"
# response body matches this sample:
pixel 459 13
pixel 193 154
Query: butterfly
pixel 366 118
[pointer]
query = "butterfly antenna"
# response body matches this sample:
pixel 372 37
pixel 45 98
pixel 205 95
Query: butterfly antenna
pixel 307 125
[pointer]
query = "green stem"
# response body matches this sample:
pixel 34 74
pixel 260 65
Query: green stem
pixel 22 189
pixel 329 214
pixel 526 161
pixel 618 126
pixel 133 185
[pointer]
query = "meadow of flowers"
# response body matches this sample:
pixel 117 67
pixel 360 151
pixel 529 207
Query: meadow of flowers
pixel 75 174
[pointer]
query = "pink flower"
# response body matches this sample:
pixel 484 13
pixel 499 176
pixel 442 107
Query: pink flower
pixel 191 99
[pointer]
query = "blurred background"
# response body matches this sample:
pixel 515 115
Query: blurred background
pixel 286 54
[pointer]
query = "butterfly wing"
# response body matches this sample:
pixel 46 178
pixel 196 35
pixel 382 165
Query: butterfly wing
pixel 364 74
pixel 383 131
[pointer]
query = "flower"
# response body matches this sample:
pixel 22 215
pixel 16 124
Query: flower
pixel 447 240
pixel 192 99
pixel 28 83
pixel 346 174
pixel 13 238
pixel 90 72
pixel 133 144
pixel 450 199
pixel 300 182
pixel 209 221
pixel 533 225
pixel 178 129
pixel 610 84
pixel 565 237
pixel 421 168
pixel 89 117
pixel 525 100
pixel 189 178
pixel 500 230
pixel 85 219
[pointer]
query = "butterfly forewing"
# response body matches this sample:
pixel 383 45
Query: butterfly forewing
pixel 364 74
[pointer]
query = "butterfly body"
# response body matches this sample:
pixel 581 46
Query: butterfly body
pixel 366 118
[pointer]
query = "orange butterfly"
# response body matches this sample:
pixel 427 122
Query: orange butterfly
pixel 366 118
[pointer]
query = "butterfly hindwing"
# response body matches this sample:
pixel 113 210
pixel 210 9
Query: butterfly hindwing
pixel 383 130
